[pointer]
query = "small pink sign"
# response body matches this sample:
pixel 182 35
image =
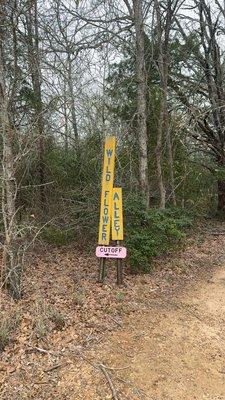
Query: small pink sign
pixel 111 252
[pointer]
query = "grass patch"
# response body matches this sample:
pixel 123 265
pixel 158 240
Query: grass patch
pixel 57 318
pixel 7 327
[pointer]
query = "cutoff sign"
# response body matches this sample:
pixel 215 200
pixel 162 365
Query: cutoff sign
pixel 111 210
pixel 111 252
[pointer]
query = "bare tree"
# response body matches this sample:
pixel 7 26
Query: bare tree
pixel 163 117
pixel 203 92
pixel 141 98
pixel 34 63
pixel 12 268
pixel 165 13
pixel 112 26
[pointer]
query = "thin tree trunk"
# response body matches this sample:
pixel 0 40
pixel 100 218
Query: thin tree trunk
pixel 35 69
pixel 163 38
pixel 141 100
pixel 166 125
pixel 163 106
pixel 171 167
pixel 166 72
pixel 221 190
pixel 72 102
pixel 65 113
pixel 66 143
pixel 221 198
pixel 12 269
pixel 16 69
pixel 158 152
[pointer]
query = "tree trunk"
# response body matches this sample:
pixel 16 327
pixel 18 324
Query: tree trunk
pixel 162 45
pixel 221 198
pixel 161 187
pixel 12 267
pixel 141 101
pixel 35 69
pixel 170 165
pixel 163 105
pixel 166 74
pixel 72 102
pixel 66 132
pixel 12 263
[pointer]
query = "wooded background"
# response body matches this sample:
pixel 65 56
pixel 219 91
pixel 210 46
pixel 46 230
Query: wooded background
pixel 73 72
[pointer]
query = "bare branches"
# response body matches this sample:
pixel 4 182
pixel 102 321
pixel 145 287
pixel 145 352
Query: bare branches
pixel 115 396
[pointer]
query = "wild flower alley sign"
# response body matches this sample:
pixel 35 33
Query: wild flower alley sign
pixel 117 214
pixel 107 189
pixel 111 213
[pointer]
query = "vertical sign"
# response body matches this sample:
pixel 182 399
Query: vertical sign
pixel 117 214
pixel 107 187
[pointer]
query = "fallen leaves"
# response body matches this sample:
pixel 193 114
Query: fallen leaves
pixel 64 314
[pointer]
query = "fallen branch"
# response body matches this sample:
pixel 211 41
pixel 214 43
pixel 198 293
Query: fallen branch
pixel 117 369
pixel 39 349
pixel 113 390
pixel 54 367
pixel 217 233
pixel 138 390
pixel 120 324
pixel 43 351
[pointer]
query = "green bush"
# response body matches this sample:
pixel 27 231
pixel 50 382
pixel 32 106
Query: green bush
pixel 57 236
pixel 152 232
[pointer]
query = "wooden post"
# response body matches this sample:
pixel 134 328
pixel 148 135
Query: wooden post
pixel 106 200
pixel 102 270
pixel 119 267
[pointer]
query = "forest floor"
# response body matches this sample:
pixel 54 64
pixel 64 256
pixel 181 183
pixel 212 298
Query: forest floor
pixel 159 337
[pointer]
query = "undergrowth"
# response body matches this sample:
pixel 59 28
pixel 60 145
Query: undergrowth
pixel 8 325
pixel 57 236
pixel 150 233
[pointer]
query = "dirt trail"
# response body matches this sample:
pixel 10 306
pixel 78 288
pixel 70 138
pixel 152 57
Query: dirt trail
pixel 172 349
pixel 177 350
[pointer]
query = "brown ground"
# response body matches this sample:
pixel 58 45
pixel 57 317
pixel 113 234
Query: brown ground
pixel 161 337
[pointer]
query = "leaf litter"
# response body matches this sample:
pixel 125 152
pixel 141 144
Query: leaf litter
pixel 67 325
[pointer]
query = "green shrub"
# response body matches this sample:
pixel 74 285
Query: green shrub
pixel 152 232
pixel 57 236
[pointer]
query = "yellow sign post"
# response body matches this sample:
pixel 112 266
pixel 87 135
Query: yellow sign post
pixel 111 215
pixel 107 188
pixel 117 214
